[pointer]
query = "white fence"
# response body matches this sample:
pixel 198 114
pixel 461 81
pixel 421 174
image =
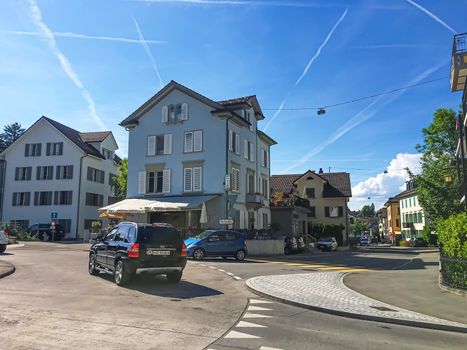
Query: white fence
pixel 265 247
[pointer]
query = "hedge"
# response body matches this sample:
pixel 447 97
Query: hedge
pixel 452 234
pixel 322 230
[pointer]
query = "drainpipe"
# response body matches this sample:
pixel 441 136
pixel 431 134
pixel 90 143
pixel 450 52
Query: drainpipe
pixel 227 168
pixel 2 187
pixel 79 195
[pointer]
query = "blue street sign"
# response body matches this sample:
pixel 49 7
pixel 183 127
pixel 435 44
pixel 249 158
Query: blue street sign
pixel 54 215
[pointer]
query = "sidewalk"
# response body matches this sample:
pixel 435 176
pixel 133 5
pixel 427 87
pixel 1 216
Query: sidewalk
pixel 414 288
pixel 326 292
pixel 6 269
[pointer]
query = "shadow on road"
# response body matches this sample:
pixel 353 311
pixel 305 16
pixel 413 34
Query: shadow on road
pixel 158 286
pixel 6 254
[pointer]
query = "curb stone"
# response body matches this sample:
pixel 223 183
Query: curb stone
pixel 11 269
pixel 416 319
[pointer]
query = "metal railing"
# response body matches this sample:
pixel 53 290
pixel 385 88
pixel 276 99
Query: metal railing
pixel 453 271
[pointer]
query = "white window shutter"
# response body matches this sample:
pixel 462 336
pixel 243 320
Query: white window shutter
pixel 252 152
pixel 238 180
pixel 262 157
pixel 197 179
pixel 237 143
pixel 142 182
pixel 189 141
pixel 187 179
pixel 168 144
pixel 165 114
pixel 151 145
pixel 230 140
pixel 166 181
pixel 245 148
pixel 184 111
pixel 198 141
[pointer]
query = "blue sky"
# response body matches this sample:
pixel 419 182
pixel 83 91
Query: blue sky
pixel 89 64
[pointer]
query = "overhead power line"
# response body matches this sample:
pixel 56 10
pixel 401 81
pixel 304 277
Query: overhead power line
pixel 357 99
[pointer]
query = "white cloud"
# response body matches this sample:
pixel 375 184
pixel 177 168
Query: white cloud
pixel 382 186
pixel 432 15
pixel 84 36
pixel 48 35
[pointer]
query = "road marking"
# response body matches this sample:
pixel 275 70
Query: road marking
pixel 221 270
pixel 229 273
pixel 258 308
pixel 252 315
pixel 240 335
pixel 354 270
pixel 295 264
pixel 237 278
pixel 332 268
pixel 268 348
pixel 259 301
pixel 243 324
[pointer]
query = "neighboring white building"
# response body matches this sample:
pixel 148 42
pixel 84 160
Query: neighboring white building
pixel 54 168
pixel 181 147
pixel 412 214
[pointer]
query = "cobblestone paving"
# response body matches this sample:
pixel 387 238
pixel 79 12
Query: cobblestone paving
pixel 326 290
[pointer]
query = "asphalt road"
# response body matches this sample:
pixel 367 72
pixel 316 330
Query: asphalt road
pixel 51 302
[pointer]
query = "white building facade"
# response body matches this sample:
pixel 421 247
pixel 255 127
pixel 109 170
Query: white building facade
pixel 412 216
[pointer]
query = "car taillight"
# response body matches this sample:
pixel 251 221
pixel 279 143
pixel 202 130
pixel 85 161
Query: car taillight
pixel 134 251
pixel 184 249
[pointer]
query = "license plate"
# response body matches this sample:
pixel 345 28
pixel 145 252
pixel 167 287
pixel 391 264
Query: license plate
pixel 158 252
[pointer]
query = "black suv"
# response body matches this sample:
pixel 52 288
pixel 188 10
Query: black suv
pixel 44 233
pixel 131 247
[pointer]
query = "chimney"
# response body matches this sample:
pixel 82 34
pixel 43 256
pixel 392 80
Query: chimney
pixel 320 170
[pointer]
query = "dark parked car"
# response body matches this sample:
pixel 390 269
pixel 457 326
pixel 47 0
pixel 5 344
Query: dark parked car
pixel 131 248
pixel 44 232
pixel 327 243
pixel 222 243
pixel 418 242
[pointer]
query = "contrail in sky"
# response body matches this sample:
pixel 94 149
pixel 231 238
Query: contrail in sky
pixel 432 15
pixel 318 52
pixel 148 52
pixel 358 119
pixel 305 71
pixel 84 36
pixel 48 35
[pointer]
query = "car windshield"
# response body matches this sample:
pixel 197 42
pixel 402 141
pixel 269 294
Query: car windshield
pixel 203 234
pixel 325 239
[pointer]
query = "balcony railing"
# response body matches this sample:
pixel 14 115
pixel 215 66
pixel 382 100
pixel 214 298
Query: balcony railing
pixel 459 62
pixel 300 202
pixel 254 198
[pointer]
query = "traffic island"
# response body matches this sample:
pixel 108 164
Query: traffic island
pixel 6 268
pixel 326 292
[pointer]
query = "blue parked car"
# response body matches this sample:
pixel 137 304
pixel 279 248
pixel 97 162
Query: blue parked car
pixel 222 243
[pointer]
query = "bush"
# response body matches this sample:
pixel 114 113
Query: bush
pixel 452 234
pixel 432 239
pixel 96 227
pixel 24 236
pixel 322 230
pixel 404 243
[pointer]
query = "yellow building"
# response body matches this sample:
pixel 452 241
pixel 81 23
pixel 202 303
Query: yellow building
pixel 393 213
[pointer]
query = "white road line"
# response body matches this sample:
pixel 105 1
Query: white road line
pixel 229 273
pixel 243 324
pixel 252 315
pixel 267 348
pixel 212 267
pixel 258 308
pixel 258 301
pixel 240 335
pixel 221 270
pixel 237 278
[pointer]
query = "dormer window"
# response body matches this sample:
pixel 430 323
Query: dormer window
pixel 107 154
pixel 175 113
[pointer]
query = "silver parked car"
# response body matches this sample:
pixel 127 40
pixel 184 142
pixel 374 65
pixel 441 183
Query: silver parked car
pixel 327 243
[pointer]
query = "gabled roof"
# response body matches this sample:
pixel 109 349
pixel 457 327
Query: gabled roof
pixel 336 184
pixel 266 138
pixel 251 100
pixel 96 136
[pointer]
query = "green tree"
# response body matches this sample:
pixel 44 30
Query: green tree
pixel 119 182
pixel 360 227
pixel 438 198
pixel 11 132
pixel 368 210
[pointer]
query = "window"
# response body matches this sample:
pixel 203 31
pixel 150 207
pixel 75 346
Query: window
pixel 107 153
pixel 175 113
pixel 249 117
pixel 23 173
pixel 158 181
pixel 193 179
pixel 159 144
pixel 63 197
pixel 111 179
pixel 333 212
pixel 94 199
pixel 32 150
pixel 310 192
pixel 54 148
pixel 264 158
pixel 397 222
pixel 45 173
pixel 251 220
pixel 64 172
pixel 249 150
pixel 264 188
pixel 88 226
pixel 66 224
pixel 43 198
pixel 312 212
pixel 250 180
pixel 19 224
pixel 96 175
pixel 235 180
pixel 234 142
pixel 21 199
pixel 265 221
pixel 193 141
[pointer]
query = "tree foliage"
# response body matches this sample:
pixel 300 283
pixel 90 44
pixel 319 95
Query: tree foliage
pixel 119 182
pixel 11 132
pixel 453 235
pixel 438 198
pixel 359 227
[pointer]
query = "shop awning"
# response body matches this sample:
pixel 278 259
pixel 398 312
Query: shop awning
pixel 130 205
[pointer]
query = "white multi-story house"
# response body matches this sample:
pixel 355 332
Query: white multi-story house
pixel 412 215
pixel 54 168
pixel 186 148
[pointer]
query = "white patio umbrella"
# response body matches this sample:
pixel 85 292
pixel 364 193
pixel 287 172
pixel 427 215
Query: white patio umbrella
pixel 203 219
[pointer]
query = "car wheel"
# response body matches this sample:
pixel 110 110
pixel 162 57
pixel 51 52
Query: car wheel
pixel 198 254
pixel 121 274
pixel 240 255
pixel 92 265
pixel 2 248
pixel 174 277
